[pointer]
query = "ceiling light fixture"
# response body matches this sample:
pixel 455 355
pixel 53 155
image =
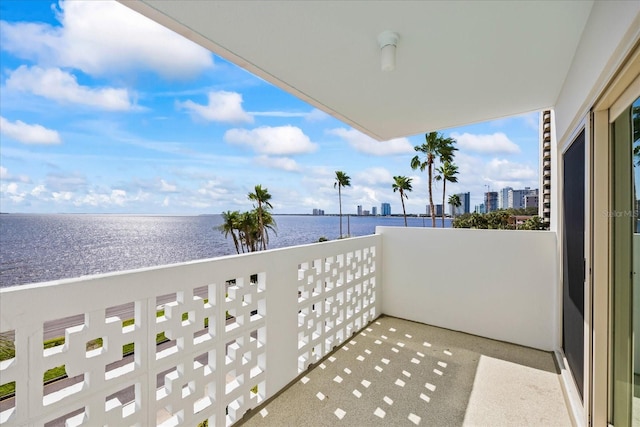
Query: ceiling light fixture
pixel 388 41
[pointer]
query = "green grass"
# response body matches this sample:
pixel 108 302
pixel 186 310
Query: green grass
pixel 53 373
pixel 7 388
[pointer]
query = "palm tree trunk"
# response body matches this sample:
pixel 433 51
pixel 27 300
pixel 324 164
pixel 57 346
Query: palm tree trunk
pixel 433 211
pixel 340 199
pixel 235 241
pixel 444 189
pixel 404 212
pixel 261 225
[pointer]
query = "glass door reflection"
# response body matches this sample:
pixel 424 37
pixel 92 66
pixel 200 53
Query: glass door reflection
pixel 635 315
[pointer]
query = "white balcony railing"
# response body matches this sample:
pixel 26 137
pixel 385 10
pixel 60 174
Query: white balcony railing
pixel 239 329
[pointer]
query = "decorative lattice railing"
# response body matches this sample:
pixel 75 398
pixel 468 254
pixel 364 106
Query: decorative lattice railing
pixel 336 297
pixel 181 344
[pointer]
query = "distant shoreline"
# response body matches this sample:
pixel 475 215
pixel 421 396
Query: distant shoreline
pixel 196 215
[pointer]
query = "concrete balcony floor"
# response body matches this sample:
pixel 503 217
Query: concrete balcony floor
pixel 397 372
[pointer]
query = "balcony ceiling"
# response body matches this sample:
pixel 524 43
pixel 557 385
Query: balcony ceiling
pixel 458 62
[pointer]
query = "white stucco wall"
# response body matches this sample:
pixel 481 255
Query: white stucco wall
pixel 611 30
pixel 494 283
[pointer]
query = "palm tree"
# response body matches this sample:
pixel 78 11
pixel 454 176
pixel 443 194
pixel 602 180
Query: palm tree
pixel 249 231
pixel 230 225
pixel 454 200
pixel 436 146
pixel 342 180
pixel 402 184
pixel 262 196
pixel 268 223
pixel 478 221
pixel 446 172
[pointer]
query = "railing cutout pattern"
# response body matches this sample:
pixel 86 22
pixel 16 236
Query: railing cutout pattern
pixel 336 298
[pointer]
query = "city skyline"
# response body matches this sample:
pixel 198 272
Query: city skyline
pixel 513 199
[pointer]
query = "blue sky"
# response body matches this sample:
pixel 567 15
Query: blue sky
pixel 104 111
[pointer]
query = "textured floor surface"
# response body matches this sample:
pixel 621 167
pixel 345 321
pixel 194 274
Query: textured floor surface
pixel 397 372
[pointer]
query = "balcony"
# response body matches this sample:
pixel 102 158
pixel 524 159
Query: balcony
pixel 239 329
pixel 398 372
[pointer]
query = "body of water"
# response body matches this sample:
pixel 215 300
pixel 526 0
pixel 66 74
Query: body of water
pixel 38 248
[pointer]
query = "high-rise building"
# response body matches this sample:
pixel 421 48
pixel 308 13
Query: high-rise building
pixel 319 212
pixel 465 205
pixel 531 201
pixel 438 209
pixel 544 208
pixel 503 198
pixel 465 198
pixel 517 197
pixel 359 210
pixel 491 201
pixel 453 211
pixel 385 209
pixel 374 210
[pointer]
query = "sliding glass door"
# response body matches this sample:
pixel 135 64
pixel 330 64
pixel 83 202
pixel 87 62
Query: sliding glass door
pixel 625 232
pixel 573 161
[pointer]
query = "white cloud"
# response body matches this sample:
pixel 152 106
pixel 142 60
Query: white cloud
pixel 165 187
pixel 316 115
pixel 38 190
pixel 58 85
pixel 366 144
pixel 28 134
pixel 506 171
pixel 213 189
pixel 283 163
pixel 494 143
pixel 374 176
pixel 12 188
pixel 223 106
pixel 285 114
pixel 15 195
pixel 62 196
pixel 102 38
pixel 530 120
pixel 7 177
pixel 61 182
pixel 118 196
pixel 366 196
pixel 115 197
pixel 280 140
